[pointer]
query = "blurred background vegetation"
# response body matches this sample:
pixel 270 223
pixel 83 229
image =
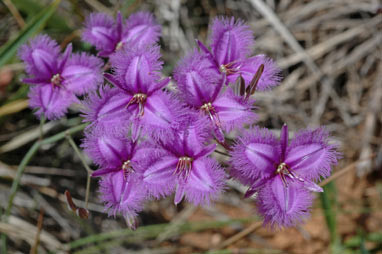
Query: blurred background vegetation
pixel 330 54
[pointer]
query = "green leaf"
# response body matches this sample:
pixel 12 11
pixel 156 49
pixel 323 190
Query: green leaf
pixel 329 206
pixel 356 241
pixel 34 26
pixel 328 201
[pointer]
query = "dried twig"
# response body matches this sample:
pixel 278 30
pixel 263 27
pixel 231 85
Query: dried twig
pixel 39 228
pixel 251 228
pixel 12 8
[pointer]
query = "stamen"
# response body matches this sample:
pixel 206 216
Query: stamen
pixel 56 80
pixel 209 109
pixel 140 99
pixel 183 167
pixel 126 168
pixel 227 68
pixel 119 46
pixel 284 170
pixel 223 69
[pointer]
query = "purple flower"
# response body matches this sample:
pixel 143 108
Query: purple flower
pixel 197 79
pixel 108 36
pixel 57 79
pixel 201 86
pixel 121 163
pixel 231 44
pixel 114 152
pixel 184 168
pixel 283 172
pixel 122 195
pixel 153 111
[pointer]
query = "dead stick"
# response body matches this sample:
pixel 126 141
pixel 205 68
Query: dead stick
pixel 343 171
pixel 39 228
pixel 253 227
pixel 16 14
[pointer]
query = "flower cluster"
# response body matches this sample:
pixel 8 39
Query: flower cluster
pixel 150 141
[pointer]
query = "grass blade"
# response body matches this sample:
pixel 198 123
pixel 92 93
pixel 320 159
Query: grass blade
pixel 329 205
pixel 30 7
pixel 150 231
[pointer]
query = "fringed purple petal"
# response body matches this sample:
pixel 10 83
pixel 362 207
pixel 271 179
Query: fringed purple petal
pixel 247 69
pixel 119 25
pixel 99 31
pixel 197 79
pixel 206 51
pixel 205 151
pixel 255 155
pixel 107 111
pixel 40 56
pixel 141 29
pixel 311 186
pixel 230 40
pixel 179 193
pixel 103 171
pixel 158 85
pixel 255 186
pixel 205 182
pixel 233 111
pixel 310 155
pixel 137 67
pixel 163 114
pixel 194 134
pixel 35 81
pixel 283 206
pixel 64 57
pixel 122 196
pixel 143 154
pixel 108 149
pixel 53 103
pixel 82 73
pixel 159 176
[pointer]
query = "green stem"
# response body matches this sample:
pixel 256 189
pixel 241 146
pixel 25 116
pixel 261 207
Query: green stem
pixel 29 155
pixel 88 182
pixel 42 121
pixel 152 231
pixel 78 152
pixel 20 171
pixel 88 170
